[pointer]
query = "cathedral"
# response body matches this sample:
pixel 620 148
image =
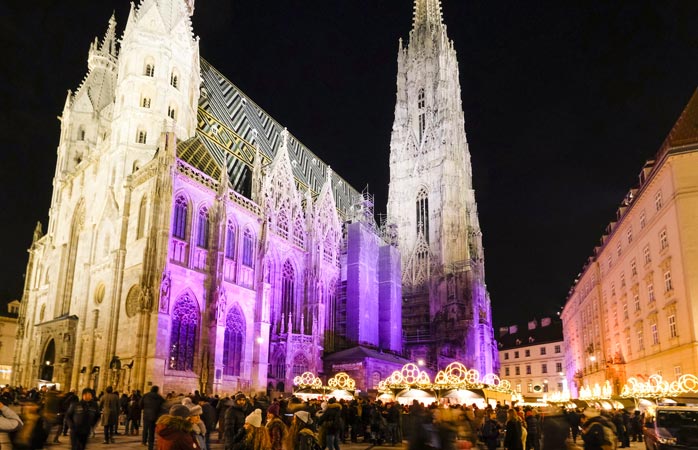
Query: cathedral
pixel 194 243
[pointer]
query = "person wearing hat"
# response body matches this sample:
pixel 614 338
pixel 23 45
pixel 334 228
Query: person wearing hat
pixel 301 435
pixel 276 427
pixel 174 430
pixel 235 418
pixel 252 435
pixel 598 433
pixel 81 417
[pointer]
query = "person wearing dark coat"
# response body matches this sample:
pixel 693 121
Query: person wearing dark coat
pixel 597 431
pixel 533 428
pixel 221 410
pixel 489 432
pixel 151 405
pixel 512 438
pixel 109 404
pixel 331 422
pixel 81 417
pixel 573 418
pixel 276 427
pixel 234 419
pixel 133 412
pixel 555 429
pixel 636 426
pixel 208 417
pixel 174 431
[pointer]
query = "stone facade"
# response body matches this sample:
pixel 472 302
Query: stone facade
pixel 632 311
pixel 193 242
pixel 446 313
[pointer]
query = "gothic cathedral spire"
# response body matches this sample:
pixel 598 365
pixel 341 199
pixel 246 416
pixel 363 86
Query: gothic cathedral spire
pixel 432 202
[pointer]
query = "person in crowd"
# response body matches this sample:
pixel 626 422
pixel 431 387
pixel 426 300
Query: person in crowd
pixel 420 420
pixel 598 431
pixel 151 405
pixel 489 432
pixel 636 426
pixel 109 404
pixel 133 412
pixel 276 427
pixel 555 428
pixel 198 426
pixel 533 429
pixel 574 418
pixel 9 421
pixel 208 416
pixel 174 430
pixel 221 409
pixel 82 417
pixel 512 438
pixel 301 435
pixel 252 435
pixel 330 423
pixel 234 419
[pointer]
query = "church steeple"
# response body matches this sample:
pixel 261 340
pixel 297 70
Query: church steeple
pixel 427 13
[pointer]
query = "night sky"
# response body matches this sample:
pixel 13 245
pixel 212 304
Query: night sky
pixel 564 101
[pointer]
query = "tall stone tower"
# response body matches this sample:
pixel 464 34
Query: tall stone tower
pixel 446 309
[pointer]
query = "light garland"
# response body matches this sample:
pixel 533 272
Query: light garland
pixel 657 387
pixel 342 381
pixel 307 380
pixel 597 392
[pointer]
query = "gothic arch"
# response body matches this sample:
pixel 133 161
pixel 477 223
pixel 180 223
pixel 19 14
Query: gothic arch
pixel 73 241
pixel 181 215
pixel 249 246
pixel 185 320
pixel 300 364
pixel 142 212
pixel 234 341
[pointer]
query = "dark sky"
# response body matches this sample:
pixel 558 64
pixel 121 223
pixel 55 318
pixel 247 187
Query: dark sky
pixel 563 101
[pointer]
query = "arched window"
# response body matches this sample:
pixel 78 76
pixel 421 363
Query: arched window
pixel 299 232
pixel 179 225
pixel 171 112
pixel 184 334
pixel 287 287
pixel 140 230
pixel 81 133
pixel 233 346
pixel 149 69
pixel 423 213
pixel 282 224
pixel 278 367
pixel 174 79
pixel 247 248
pixel 141 137
pixel 329 248
pixel 230 235
pixel 300 364
pixel 421 110
pixel 202 228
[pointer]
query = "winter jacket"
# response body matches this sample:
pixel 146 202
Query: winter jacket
pixel 512 439
pixel 82 416
pixel 234 420
pixel 277 433
pixel 110 405
pixel 175 433
pixel 331 419
pixel 151 404
pixel 599 431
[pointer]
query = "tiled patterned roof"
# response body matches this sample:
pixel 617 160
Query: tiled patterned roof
pixel 685 131
pixel 229 122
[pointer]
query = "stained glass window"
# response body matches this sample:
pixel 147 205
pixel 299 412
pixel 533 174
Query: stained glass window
pixel 184 334
pixel 247 248
pixel 202 229
pixel 300 364
pixel 230 240
pixel 287 286
pixel 179 225
pixel 234 342
pixel 423 213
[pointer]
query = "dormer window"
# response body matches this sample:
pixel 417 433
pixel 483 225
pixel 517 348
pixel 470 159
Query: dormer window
pixel 149 70
pixel 145 102
pixel 141 136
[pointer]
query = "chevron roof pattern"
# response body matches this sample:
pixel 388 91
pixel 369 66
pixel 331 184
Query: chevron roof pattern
pixel 230 123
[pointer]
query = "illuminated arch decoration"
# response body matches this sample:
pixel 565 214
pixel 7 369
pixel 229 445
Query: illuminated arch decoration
pixel 307 380
pixel 342 381
pixel 657 387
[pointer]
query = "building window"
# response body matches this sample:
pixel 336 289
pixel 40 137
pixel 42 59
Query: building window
pixel 672 326
pixel 613 289
pixel 184 334
pixel 643 220
pixel 518 388
pixel 516 355
pixel 650 292
pixel 667 281
pixel 288 280
pixel 646 254
pixel 179 225
pixel 658 200
pixel 633 267
pixel 640 339
pixel 527 353
pixel 663 240
pixel 619 249
pixel 636 300
pixel 677 371
pixel 247 248
pixel 506 371
pixel 629 234
pixel 517 370
pixel 149 70
pixel 300 365
pixel 171 112
pixel 141 137
pixel 530 387
pixel 230 240
pixel 145 102
pixel 625 310
pixel 558 367
pixel 81 133
pixel 202 228
pixel 544 368
pixel 233 346
pixel 506 355
pixel 558 349
pixel 543 351
pixel 528 369
pixel 655 334
pixel 174 80
pixel 421 110
pixel 423 213
pixel 622 279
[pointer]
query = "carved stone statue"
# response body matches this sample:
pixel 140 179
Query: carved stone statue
pixel 165 292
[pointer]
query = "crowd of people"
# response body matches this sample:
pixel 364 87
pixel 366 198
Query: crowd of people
pixel 29 419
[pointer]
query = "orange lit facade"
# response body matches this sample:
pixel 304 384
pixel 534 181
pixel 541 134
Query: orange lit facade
pixel 632 311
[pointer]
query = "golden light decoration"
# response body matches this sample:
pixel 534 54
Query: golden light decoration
pixel 307 380
pixel 657 387
pixel 454 376
pixel 342 381
pixel 408 376
pixel 557 397
pixel 597 392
